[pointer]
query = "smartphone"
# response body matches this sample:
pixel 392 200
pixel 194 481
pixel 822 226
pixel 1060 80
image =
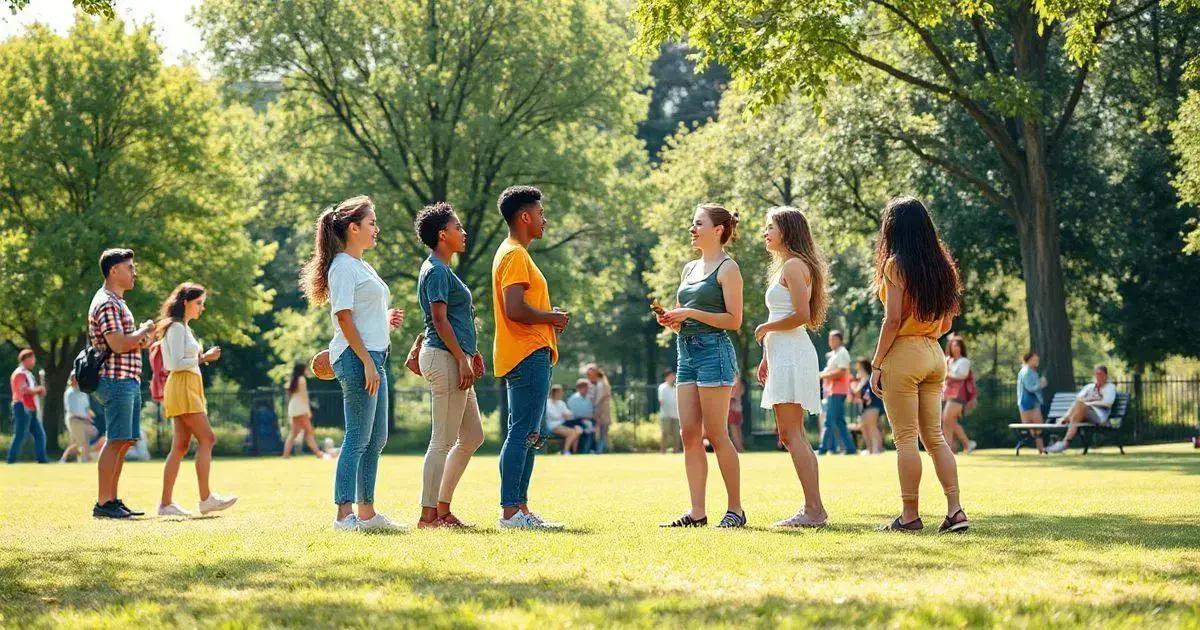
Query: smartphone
pixel 657 308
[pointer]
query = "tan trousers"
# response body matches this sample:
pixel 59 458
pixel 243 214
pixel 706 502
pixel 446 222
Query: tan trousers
pixel 457 431
pixel 913 373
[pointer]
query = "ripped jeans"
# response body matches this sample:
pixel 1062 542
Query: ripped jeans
pixel 528 385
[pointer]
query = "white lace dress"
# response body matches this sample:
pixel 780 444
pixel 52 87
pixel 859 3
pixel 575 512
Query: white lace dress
pixel 791 358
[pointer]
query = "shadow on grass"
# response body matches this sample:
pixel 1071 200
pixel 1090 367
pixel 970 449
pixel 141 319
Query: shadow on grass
pixel 412 597
pixel 1183 463
pixel 1097 529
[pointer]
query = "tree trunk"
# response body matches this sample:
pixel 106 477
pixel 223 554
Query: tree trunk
pixel 1045 299
pixel 1036 215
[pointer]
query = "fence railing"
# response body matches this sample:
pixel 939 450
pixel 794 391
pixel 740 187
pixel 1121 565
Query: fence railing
pixel 1160 409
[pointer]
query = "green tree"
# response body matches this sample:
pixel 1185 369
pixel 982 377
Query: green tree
pixel 103 146
pixel 101 8
pixel 423 101
pixel 1018 70
pixel 788 155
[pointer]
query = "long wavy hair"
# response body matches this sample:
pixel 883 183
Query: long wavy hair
pixel 298 370
pixel 907 236
pixel 330 240
pixel 173 308
pixel 797 240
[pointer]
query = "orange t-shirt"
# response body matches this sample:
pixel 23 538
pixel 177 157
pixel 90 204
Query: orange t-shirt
pixel 514 340
pixel 910 326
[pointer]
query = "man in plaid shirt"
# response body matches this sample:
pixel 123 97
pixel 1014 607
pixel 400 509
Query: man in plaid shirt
pixel 119 394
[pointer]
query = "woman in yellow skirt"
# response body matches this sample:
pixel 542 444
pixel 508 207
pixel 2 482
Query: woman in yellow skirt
pixel 183 397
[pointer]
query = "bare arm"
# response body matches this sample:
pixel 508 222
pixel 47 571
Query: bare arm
pixel 518 310
pixel 121 343
pixel 893 313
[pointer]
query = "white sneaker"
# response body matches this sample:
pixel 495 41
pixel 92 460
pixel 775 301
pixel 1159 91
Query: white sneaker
pixel 801 519
pixel 1057 447
pixel 528 520
pixel 971 446
pixel 348 524
pixel 216 503
pixel 172 510
pixel 380 523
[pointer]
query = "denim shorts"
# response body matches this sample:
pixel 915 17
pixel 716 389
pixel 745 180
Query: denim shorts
pixel 119 402
pixel 1028 402
pixel 706 359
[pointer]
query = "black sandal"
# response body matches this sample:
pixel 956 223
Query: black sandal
pixel 914 525
pixel 733 520
pixel 953 524
pixel 687 521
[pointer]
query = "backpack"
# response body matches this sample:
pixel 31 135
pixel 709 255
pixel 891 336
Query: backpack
pixel 159 374
pixel 87 367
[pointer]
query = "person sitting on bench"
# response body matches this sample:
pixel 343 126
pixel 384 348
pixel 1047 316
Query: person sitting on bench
pixel 1092 406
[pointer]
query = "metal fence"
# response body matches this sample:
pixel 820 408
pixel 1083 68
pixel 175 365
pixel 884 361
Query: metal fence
pixel 1160 409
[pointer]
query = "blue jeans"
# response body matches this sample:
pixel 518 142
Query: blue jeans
pixel 366 428
pixel 528 385
pixel 118 403
pixel 835 426
pixel 24 421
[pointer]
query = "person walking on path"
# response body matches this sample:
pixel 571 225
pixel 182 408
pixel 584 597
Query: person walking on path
pixel 183 398
pixel 25 389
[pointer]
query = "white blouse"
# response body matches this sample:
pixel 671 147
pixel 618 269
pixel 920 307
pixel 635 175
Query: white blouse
pixel 180 349
pixel 958 368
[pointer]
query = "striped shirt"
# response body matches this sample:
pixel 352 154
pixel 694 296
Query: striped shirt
pixel 108 314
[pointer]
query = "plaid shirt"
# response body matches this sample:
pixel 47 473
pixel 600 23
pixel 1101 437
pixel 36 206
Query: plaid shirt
pixel 109 313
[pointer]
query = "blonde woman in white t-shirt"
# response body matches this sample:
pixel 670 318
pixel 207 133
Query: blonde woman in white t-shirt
pixel 958 370
pixel 183 398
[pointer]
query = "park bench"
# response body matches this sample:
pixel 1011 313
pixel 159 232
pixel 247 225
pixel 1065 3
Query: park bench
pixel 1087 432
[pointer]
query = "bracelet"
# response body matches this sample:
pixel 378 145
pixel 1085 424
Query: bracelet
pixel 876 367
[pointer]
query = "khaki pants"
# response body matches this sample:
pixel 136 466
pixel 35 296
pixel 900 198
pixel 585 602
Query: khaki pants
pixel 457 431
pixel 913 373
pixel 77 430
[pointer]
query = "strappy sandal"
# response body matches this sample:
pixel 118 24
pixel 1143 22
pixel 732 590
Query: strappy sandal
pixel 914 525
pixel 733 520
pixel 687 521
pixel 956 523
pixel 451 521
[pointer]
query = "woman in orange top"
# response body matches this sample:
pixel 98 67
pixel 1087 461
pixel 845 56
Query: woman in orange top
pixel 920 288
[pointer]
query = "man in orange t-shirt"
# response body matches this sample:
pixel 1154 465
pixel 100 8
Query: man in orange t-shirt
pixel 25 390
pixel 526 349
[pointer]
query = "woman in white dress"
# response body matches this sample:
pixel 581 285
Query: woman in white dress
pixel 797 301
pixel 300 411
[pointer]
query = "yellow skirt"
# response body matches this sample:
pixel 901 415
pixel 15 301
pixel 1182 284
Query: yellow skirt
pixel 184 393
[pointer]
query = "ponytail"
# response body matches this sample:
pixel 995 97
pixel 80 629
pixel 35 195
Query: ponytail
pixel 330 240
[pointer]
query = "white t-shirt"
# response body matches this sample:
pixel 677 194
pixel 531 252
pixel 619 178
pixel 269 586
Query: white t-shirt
pixel 668 401
pixel 958 368
pixel 355 286
pixel 556 413
pixel 1100 402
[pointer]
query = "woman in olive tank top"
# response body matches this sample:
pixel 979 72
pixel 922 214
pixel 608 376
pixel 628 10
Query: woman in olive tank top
pixel 709 303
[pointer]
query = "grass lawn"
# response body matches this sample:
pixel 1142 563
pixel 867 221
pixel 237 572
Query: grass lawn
pixel 1058 541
